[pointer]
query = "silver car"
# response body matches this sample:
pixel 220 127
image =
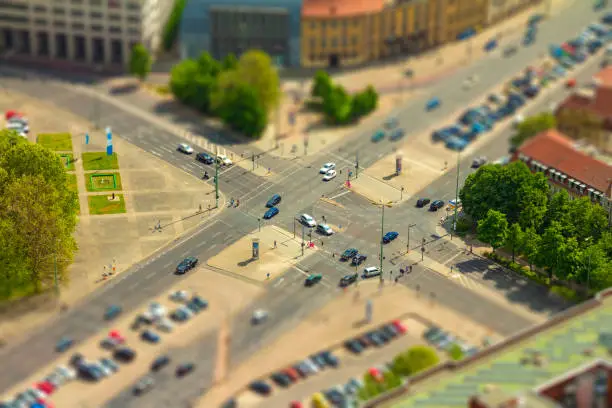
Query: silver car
pixel 145 384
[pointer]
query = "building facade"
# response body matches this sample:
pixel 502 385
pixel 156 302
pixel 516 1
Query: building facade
pixel 502 9
pixel 224 27
pixel 344 32
pixel 97 33
pixel 456 19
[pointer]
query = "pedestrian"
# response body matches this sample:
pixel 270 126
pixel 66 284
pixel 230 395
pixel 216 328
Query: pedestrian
pixel 396 279
pixel 410 268
pixel 274 243
pixel 200 207
pixel 333 254
pixel 237 202
pixel 323 218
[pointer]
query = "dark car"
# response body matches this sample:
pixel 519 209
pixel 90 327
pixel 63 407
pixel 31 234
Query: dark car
pixel 270 213
pixel 274 200
pixel 205 158
pixel 64 344
pixel 281 379
pixel 354 346
pixel 230 403
pixel 330 359
pixel 436 205
pixel 389 236
pixel 76 359
pixel 186 265
pixel 261 388
pixel 124 354
pixel 150 337
pixel 348 254
pixel 184 369
pixel 510 51
pixel 397 134
pixel 348 279
pixel 200 302
pixel 359 259
pixel 313 279
pixel 112 312
pixel 422 202
pixel 159 363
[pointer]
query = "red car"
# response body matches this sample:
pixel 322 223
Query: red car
pixel 292 373
pixel 116 335
pixel 46 387
pixel 401 327
pixel 296 404
pixel 571 83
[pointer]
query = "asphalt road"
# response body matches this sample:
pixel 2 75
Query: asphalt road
pixel 298 184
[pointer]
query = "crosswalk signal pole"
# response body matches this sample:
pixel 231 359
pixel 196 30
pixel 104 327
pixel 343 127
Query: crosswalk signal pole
pixel 217 179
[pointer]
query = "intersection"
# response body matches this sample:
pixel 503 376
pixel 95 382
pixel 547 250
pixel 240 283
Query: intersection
pixel 300 185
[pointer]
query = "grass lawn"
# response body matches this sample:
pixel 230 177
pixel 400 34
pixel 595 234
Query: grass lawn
pixel 68 160
pixel 102 182
pixel 100 161
pixel 71 180
pixel 55 141
pixel 100 204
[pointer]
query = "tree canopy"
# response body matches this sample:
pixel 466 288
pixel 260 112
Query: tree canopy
pixel 493 229
pixel 415 360
pixel 140 62
pixel 37 217
pixel 173 24
pixel 531 126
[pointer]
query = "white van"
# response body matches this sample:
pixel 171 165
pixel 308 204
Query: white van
pixel 370 272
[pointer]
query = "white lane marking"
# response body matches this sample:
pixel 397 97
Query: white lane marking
pixel 186 169
pixel 168 264
pixel 156 153
pixel 149 276
pixel 216 234
pixel 277 283
pixel 213 246
pixel 340 194
pixel 167 149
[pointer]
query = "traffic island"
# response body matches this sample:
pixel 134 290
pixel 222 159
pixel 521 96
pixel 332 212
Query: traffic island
pixel 93 161
pixel 59 142
pixel 67 161
pixel 257 258
pixel 106 204
pixel 103 182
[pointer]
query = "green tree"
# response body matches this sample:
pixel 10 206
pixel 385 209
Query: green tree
pixel 568 266
pixel 255 68
pixel 207 65
pixel 363 103
pixel 532 126
pixel 588 220
pixel 456 353
pixel 558 209
pixel 533 204
pixel 242 110
pixel 605 243
pixel 10 138
pixel 140 62
pixel 515 239
pixel 181 81
pixel 322 85
pixel 531 246
pixel 203 87
pixel 337 106
pixel 230 62
pixel 173 23
pixel 550 252
pixel 493 229
pixel 415 360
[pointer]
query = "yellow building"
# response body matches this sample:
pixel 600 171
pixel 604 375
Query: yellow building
pixel 458 16
pixel 349 32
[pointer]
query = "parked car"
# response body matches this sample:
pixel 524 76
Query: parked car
pixel 327 167
pixel 112 312
pixel 313 279
pixel 185 148
pixel 378 136
pixel 432 104
pixel 324 229
pixel 273 201
pixel 184 369
pixel 422 202
pixel 205 158
pixel 391 123
pixel 259 316
pixel 307 220
pixel 436 205
pixel 261 388
pixel 186 265
pixel 150 337
pixel 510 51
pixel 354 346
pixel 270 213
pixel 281 379
pixel 479 162
pixel 348 254
pixel 359 259
pixel 159 363
pixel 124 354
pixel 145 384
pixel 329 175
pixel 64 344
pixel 224 160
pixel 348 279
pixel 389 236
pixel 179 296
pixel 397 134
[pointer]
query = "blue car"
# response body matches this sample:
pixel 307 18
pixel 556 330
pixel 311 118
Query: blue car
pixel 397 134
pixel 389 236
pixel 112 312
pixel 432 104
pixel 270 213
pixel 456 143
pixel 150 337
pixel 64 344
pixel 274 200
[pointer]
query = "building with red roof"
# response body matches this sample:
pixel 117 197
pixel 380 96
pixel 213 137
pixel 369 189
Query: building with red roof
pixel 566 167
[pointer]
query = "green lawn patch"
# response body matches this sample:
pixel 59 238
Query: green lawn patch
pixel 100 161
pixel 103 182
pixel 68 160
pixel 55 141
pixel 71 180
pixel 101 204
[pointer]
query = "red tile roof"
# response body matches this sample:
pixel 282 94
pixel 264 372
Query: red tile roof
pixel 553 149
pixel 340 8
pixel 600 104
pixel 604 77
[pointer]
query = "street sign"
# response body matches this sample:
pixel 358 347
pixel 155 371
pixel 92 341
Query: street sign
pixel 255 248
pixel 109 141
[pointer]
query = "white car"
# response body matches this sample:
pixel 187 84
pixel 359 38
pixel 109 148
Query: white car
pixel 370 272
pixel 18 127
pixel 327 167
pixel 259 316
pixel 185 148
pixel 179 296
pixel 224 160
pixel 325 229
pixel 157 310
pixel 308 220
pixel 165 325
pixel 329 175
pixel 68 373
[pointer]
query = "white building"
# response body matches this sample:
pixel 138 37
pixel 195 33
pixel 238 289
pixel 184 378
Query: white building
pixel 97 33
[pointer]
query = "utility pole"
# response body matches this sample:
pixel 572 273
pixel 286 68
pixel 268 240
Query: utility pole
pixel 408 239
pixel 259 224
pixel 253 160
pixel 217 178
pixel 294 228
pixel 306 144
pixel 456 196
pixel 422 249
pixel 302 239
pixel 382 233
pixel 356 164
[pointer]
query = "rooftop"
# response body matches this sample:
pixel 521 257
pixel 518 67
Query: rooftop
pixel 340 8
pixel 507 367
pixel 604 78
pixel 555 150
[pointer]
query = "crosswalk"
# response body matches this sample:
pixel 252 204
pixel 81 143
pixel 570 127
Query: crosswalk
pixel 466 282
pixel 202 142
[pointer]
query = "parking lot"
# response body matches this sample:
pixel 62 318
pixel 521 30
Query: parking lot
pixel 224 295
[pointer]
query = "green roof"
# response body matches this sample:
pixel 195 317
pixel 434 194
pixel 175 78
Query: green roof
pixel 562 348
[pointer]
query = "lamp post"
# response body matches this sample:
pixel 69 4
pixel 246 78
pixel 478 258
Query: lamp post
pixel 217 177
pixel 408 237
pixel 456 196
pixel 382 232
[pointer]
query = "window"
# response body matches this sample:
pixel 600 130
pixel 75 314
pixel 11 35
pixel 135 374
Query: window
pixel 313 43
pixel 78 26
pixel 355 40
pixel 40 9
pixel 133 31
pixel 76 1
pixel 59 24
pixel 95 2
pixel 323 25
pixel 96 15
pixel 59 10
pixel 323 43
pixel 133 19
pixel 114 30
pixel 333 24
pixel 7 5
pixel 40 21
pixel 14 19
pixel 313 25
pixel 133 6
pixel 76 13
pixel 96 27
pixel 114 17
pixel 334 42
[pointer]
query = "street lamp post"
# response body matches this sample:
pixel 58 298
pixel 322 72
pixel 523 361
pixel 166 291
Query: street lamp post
pixel 356 164
pixel 302 239
pixel 408 237
pixel 456 196
pixel 259 224
pixel 217 178
pixel 382 233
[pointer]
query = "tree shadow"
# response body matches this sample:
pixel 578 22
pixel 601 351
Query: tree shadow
pixel 242 264
pixel 390 176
